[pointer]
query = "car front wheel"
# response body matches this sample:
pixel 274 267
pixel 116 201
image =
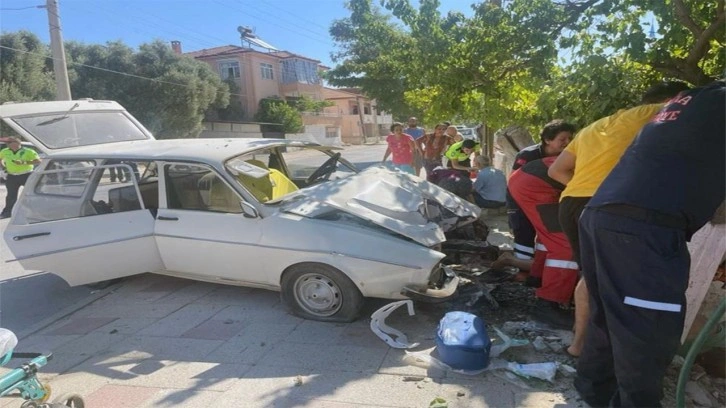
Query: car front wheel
pixel 320 292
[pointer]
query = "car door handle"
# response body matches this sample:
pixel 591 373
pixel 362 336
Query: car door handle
pixel 22 237
pixel 162 218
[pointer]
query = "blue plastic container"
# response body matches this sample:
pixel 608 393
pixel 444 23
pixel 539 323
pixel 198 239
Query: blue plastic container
pixel 462 341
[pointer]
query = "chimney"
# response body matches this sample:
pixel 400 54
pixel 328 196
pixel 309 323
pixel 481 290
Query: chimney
pixel 176 47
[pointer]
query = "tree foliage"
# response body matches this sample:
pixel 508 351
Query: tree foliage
pixel 525 61
pixel 167 92
pixel 277 115
pixel 26 73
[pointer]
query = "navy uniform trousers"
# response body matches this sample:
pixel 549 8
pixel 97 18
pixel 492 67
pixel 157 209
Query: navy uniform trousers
pixel 637 275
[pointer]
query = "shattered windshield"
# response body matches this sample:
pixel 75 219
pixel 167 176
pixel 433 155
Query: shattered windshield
pixel 57 131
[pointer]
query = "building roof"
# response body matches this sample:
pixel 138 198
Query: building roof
pixel 288 54
pixel 215 51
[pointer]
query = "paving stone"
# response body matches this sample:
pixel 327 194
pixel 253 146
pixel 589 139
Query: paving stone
pixel 313 356
pixel 40 343
pixel 378 390
pixel 119 396
pixel 183 398
pixel 275 314
pixel 251 344
pixel 167 285
pixel 482 391
pixel 181 321
pixel 185 375
pixel 215 330
pixel 90 344
pixel 393 364
pixel 538 399
pixel 190 293
pixel 264 386
pixel 126 326
pixel 360 334
pixel 82 325
pixel 239 296
pixel 313 332
pixel 167 348
pixel 130 309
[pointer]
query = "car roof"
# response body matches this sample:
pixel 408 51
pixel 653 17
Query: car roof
pixel 206 150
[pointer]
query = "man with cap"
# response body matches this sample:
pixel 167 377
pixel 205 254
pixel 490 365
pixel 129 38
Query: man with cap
pixel 18 162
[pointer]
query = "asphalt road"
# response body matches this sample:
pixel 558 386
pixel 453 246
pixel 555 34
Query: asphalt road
pixel 28 297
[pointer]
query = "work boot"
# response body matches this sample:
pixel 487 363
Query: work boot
pixel 553 314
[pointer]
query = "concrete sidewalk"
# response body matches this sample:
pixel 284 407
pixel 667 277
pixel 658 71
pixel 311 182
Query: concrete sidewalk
pixel 156 341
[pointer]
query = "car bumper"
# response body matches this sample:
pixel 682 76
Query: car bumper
pixel 447 292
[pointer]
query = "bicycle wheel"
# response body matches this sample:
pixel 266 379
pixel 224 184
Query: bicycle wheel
pixel 70 400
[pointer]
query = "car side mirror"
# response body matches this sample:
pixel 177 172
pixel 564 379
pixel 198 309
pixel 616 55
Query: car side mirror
pixel 248 210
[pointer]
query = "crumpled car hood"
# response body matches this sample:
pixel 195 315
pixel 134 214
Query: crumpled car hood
pixel 400 202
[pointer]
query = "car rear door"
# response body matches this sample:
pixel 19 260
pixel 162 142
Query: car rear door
pixel 71 220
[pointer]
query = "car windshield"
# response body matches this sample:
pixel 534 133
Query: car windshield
pixel 57 131
pixel 272 173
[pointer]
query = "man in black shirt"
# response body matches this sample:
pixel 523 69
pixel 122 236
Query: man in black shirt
pixel 633 235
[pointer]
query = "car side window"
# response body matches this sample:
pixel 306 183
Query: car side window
pixel 195 187
pixel 78 188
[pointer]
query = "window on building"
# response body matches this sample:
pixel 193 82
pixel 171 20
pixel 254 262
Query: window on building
pixel 266 70
pixel 296 70
pixel 229 69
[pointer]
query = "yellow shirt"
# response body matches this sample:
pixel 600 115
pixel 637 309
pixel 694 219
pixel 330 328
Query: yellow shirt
pixel 599 146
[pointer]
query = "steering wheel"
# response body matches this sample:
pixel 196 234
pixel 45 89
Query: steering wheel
pixel 325 170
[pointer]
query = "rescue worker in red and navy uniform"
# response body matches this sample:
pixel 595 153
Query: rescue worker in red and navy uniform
pixel 538 197
pixel 555 136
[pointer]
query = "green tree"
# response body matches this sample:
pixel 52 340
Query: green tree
pixel 307 104
pixel 167 92
pixel 27 73
pixel 278 115
pixel 234 111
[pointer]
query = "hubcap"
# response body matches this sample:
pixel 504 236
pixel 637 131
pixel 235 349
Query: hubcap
pixel 318 294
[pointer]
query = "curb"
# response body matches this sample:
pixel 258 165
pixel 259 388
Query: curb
pixel 68 310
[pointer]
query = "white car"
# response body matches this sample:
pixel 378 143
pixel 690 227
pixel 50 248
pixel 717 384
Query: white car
pixel 270 213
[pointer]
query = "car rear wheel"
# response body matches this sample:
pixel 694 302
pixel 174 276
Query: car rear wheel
pixel 320 292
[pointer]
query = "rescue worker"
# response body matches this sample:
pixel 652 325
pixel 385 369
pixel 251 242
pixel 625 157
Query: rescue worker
pixel 554 138
pixel 459 155
pixel 538 196
pixel 18 162
pixel 633 234
pixel 584 165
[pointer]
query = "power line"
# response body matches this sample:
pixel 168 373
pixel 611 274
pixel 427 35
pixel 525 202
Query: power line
pixel 295 24
pixel 277 25
pixel 22 8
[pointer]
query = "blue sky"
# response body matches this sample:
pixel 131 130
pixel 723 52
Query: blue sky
pixel 299 26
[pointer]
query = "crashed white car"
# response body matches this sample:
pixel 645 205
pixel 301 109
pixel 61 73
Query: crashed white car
pixel 110 201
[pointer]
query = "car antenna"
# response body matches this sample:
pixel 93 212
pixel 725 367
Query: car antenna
pixel 59 118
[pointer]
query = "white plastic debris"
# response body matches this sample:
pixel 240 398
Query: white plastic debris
pixel 384 332
pixel 543 371
pixel 507 342
pixel 539 344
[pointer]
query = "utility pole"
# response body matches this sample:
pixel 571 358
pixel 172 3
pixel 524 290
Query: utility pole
pixel 62 86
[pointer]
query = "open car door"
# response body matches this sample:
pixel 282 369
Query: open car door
pixel 74 222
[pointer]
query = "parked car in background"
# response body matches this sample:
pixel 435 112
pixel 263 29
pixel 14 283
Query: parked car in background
pixel 3 144
pixel 284 215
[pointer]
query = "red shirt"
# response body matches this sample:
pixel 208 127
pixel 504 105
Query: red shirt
pixel 400 148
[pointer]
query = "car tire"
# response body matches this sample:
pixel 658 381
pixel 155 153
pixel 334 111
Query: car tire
pixel 320 292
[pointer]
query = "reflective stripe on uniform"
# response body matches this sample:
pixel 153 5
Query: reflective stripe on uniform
pixel 520 255
pixel 647 304
pixel 524 249
pixel 540 247
pixel 557 263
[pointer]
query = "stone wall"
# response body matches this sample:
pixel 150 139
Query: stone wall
pixel 230 130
